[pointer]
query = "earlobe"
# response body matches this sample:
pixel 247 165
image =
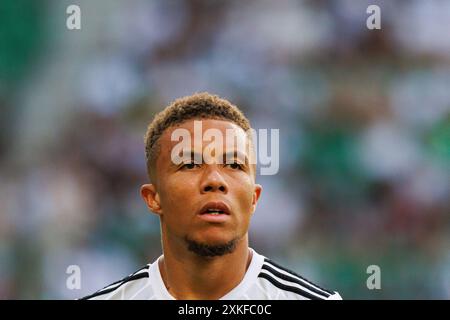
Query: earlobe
pixel 151 198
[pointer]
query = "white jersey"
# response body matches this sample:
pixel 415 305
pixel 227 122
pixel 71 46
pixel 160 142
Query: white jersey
pixel 263 280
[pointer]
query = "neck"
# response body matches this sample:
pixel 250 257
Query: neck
pixel 189 276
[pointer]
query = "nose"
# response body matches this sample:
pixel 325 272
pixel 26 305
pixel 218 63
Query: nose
pixel 213 182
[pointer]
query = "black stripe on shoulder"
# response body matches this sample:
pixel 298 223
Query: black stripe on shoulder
pixel 288 288
pixel 292 279
pixel 297 275
pixel 122 282
pixel 111 284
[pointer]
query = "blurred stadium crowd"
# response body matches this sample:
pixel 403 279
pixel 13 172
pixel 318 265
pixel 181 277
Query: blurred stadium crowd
pixel 364 119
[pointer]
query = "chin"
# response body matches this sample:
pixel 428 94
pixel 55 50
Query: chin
pixel 207 247
pixel 213 240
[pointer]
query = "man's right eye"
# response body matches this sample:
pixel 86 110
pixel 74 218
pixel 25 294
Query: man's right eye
pixel 188 166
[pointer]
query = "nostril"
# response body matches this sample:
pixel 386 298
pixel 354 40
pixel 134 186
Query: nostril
pixel 208 188
pixel 222 188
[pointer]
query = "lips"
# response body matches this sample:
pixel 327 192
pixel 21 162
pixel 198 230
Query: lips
pixel 215 208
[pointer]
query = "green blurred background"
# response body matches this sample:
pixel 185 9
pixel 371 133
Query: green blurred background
pixel 364 119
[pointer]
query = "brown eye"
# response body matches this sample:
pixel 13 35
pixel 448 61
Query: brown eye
pixel 188 166
pixel 235 166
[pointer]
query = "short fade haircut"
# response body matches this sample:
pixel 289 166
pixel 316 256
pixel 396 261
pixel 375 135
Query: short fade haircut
pixel 197 106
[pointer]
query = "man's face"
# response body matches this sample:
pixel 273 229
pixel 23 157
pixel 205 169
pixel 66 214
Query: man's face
pixel 182 190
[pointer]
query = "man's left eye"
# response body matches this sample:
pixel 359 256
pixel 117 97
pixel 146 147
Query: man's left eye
pixel 235 165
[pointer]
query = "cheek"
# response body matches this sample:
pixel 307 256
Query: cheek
pixel 245 196
pixel 177 192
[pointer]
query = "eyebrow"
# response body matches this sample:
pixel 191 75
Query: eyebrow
pixel 191 155
pixel 235 154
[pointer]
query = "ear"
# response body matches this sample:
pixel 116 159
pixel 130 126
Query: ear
pixel 256 195
pixel 151 198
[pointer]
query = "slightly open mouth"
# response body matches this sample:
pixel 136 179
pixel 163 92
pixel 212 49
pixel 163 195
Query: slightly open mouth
pixel 214 212
pixel 215 209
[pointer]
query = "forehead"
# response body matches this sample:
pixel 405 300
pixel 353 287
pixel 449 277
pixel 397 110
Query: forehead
pixel 197 129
